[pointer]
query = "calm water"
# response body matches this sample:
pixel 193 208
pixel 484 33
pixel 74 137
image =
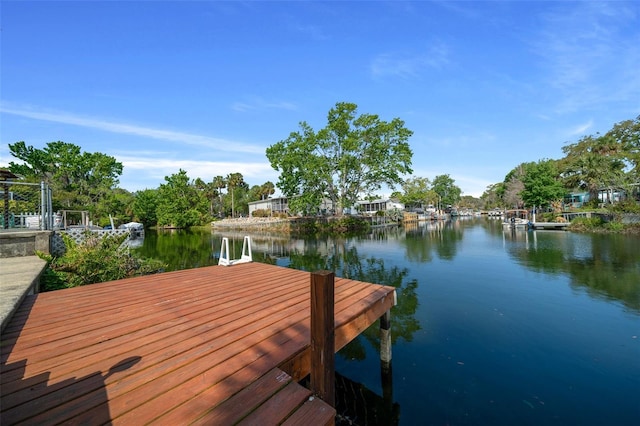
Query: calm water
pixel 492 327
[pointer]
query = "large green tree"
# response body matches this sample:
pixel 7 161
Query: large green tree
pixel 447 190
pixel 209 191
pixel 417 192
pixel 492 196
pixel 79 179
pixel 627 133
pixel 145 206
pixel 352 156
pixel 542 184
pixel 594 163
pixel 180 203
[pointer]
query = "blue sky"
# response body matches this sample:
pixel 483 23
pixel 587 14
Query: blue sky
pixel 207 86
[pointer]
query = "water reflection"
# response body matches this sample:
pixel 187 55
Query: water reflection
pixel 358 405
pixel 491 327
pixel 439 238
pixel 191 249
pixel 341 256
pixel 605 266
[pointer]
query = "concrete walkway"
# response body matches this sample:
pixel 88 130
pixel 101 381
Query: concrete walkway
pixel 19 276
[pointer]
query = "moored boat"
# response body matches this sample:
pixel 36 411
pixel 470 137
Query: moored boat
pixel 516 218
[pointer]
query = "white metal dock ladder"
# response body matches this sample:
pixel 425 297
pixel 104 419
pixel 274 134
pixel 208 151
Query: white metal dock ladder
pixel 224 252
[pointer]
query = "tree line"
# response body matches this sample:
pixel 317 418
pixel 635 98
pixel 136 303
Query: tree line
pixel 347 160
pixel 607 162
pixel 88 181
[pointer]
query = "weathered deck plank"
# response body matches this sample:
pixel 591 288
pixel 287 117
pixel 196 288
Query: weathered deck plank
pixel 172 348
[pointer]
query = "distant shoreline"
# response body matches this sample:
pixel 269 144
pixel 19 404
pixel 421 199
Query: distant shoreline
pixel 253 223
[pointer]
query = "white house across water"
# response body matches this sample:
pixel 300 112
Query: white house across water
pixel 369 208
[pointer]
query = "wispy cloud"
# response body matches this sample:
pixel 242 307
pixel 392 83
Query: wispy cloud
pixel 313 31
pixel 465 10
pixel 587 50
pixel 149 171
pixel 257 104
pixel 198 168
pixel 581 129
pixel 130 129
pixel 410 65
pixel 463 140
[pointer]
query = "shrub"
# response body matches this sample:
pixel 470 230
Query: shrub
pixel 261 213
pixel 614 226
pixel 626 206
pixel 591 204
pixel 395 214
pixel 343 225
pixel 585 223
pixel 305 226
pixel 92 261
pixel 348 224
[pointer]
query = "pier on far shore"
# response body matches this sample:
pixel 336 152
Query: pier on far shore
pixel 549 225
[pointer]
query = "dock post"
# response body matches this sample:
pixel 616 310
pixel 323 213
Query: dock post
pixel 385 337
pixel 386 374
pixel 323 336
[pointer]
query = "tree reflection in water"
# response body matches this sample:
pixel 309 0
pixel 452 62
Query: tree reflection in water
pixel 484 321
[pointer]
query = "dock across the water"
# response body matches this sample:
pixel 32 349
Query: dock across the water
pixel 213 345
pixel 549 225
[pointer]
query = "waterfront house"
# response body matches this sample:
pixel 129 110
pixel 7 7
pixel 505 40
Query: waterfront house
pixel 605 196
pixel 575 200
pixel 371 208
pixel 280 205
pixel 274 205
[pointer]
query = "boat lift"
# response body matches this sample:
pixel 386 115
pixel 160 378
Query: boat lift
pixel 224 252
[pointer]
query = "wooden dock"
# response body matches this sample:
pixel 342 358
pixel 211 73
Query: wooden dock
pixel 550 225
pixel 213 345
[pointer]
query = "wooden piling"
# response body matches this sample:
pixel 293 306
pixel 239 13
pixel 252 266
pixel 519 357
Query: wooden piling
pixel 386 374
pixel 385 337
pixel 323 336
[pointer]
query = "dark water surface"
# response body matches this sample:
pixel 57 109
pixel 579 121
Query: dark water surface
pixel 492 327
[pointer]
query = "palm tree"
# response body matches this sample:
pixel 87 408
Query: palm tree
pixel 234 180
pixel 219 183
pixel 267 189
pixel 208 191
